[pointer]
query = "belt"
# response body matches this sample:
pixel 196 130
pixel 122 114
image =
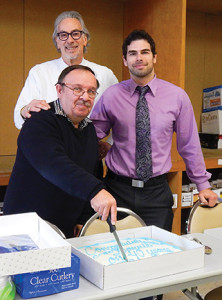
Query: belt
pixel 136 182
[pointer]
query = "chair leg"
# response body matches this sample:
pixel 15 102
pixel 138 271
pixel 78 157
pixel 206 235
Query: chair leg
pixel 193 294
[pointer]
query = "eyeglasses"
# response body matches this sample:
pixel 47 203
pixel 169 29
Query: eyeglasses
pixel 78 91
pixel 75 34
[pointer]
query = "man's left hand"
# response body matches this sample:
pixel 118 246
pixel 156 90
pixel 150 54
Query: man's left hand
pixel 208 197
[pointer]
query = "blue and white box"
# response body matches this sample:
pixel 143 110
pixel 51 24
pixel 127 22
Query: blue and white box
pixel 212 98
pixel 43 283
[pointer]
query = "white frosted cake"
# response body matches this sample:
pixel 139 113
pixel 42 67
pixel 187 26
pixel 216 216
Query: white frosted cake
pixel 108 252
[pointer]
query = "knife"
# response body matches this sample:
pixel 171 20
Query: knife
pixel 113 230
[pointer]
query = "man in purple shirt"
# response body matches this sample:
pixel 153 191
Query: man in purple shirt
pixel 170 111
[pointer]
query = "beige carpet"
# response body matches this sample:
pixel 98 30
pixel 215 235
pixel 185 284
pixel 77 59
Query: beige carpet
pixel 203 290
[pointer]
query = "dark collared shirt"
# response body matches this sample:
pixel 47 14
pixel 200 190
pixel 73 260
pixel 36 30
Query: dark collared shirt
pixel 59 111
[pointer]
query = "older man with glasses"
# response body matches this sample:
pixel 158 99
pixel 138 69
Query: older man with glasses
pixel 71 38
pixel 57 158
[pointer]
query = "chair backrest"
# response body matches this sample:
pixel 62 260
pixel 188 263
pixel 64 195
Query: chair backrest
pixel 53 226
pixel 95 225
pixel 204 217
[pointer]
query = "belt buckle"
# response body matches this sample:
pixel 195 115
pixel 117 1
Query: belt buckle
pixel 137 183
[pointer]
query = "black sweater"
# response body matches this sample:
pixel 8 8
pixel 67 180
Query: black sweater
pixel 54 170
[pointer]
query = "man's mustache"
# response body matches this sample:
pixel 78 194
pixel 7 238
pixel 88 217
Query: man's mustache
pixel 86 103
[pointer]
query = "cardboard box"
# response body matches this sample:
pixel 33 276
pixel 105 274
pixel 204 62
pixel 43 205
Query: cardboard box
pixel 193 188
pixel 195 198
pixel 212 98
pixel 213 184
pixel 187 199
pixel 185 188
pixel 218 191
pixel 175 197
pixel 212 122
pixel 191 257
pixel 43 283
pixel 219 145
pixel 219 183
pixel 54 252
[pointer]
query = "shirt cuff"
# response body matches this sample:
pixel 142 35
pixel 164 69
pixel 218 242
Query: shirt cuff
pixel 203 186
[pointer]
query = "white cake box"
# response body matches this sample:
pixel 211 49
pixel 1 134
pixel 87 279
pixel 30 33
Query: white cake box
pixel 191 257
pixel 54 252
pixel 212 122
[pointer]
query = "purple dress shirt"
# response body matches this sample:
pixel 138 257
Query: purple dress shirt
pixel 170 110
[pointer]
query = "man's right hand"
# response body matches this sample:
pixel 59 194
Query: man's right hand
pixel 104 204
pixel 34 105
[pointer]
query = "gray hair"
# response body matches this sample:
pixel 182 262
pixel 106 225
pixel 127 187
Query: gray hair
pixel 72 15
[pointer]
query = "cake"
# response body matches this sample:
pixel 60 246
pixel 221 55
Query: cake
pixel 108 252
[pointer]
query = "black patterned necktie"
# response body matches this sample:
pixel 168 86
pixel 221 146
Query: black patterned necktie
pixel 143 140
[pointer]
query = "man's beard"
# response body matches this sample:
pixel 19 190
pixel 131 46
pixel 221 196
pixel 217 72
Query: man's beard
pixel 141 73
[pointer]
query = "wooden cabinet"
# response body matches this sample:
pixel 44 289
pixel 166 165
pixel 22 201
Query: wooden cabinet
pixel 212 160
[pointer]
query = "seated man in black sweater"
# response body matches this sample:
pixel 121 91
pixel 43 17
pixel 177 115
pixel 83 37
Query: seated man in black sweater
pixel 57 159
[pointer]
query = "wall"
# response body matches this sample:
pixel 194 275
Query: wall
pixel 203 56
pixel 26 29
pixel 168 32
pixel 11 72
